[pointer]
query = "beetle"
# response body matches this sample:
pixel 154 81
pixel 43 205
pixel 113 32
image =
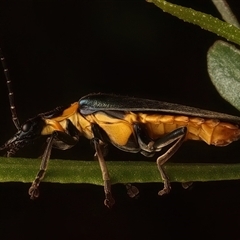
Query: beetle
pixel 133 125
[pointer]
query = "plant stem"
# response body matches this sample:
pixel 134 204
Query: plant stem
pixel 205 21
pixel 68 171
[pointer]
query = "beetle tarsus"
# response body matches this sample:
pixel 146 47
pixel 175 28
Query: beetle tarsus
pixel 166 183
pixel 132 191
pixel 33 191
pixel 166 189
pixel 187 185
pixel 109 200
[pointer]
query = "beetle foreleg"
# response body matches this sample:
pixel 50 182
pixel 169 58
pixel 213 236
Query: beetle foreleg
pixel 33 190
pixel 180 133
pixel 60 140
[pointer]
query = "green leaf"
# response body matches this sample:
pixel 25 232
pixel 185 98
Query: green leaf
pixel 205 21
pixel 223 61
pixel 226 12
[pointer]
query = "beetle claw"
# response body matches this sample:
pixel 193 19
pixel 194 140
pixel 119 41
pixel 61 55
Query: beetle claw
pixel 109 201
pixel 187 185
pixel 33 192
pixel 132 191
pixel 166 189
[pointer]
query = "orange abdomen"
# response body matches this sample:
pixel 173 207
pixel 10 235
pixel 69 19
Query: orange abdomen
pixel 211 131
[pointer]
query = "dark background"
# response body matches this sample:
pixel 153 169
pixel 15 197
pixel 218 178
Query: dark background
pixel 58 51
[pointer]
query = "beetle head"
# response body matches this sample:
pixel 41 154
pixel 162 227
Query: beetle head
pixel 28 132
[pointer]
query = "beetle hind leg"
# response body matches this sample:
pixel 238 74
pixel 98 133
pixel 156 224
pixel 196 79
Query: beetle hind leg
pixel 149 148
pixel 179 134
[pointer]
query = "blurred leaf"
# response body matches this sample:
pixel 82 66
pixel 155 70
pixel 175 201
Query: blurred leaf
pixel 224 69
pixel 226 12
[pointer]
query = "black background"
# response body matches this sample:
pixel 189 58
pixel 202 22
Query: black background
pixel 58 51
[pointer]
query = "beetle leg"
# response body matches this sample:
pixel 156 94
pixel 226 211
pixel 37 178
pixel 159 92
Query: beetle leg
pixel 177 135
pixel 33 190
pixel 132 191
pixel 104 149
pixel 187 185
pixel 180 133
pixel 109 200
pixel 143 141
pixel 61 140
pixel 149 147
pixel 99 146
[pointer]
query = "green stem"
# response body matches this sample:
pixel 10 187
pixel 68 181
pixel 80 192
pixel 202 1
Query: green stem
pixel 205 21
pixel 68 171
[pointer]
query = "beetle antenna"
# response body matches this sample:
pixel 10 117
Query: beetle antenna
pixel 10 92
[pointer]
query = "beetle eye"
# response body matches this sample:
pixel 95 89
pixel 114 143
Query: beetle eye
pixel 26 127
